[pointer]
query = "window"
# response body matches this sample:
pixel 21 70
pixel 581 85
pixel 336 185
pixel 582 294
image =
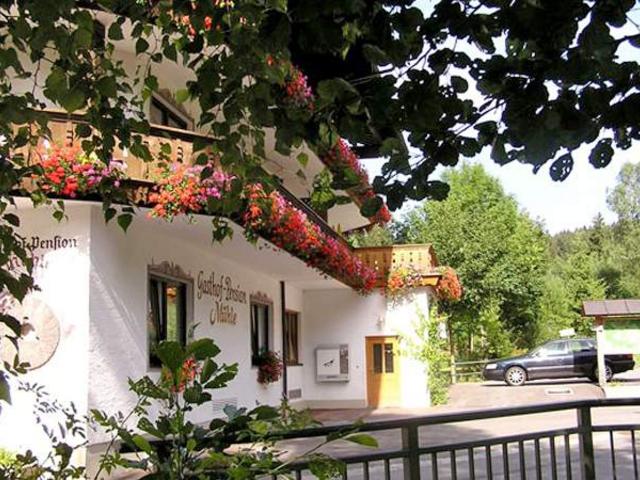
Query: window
pixel 260 330
pixel 377 358
pixel 554 348
pixel 581 346
pixel 388 357
pixel 161 114
pixel 167 313
pixel 291 329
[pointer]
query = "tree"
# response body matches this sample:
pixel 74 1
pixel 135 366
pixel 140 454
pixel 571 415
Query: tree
pixel 570 282
pixel 499 253
pixel 377 236
pixel 624 199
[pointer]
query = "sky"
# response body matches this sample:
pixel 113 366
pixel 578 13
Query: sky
pixel 563 205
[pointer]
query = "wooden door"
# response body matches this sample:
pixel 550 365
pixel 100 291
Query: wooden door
pixel 383 372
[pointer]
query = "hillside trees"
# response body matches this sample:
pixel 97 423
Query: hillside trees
pixel 500 255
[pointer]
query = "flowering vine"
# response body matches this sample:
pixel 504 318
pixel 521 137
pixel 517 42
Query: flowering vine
pixel 69 172
pixel 269 367
pixel 181 190
pixel 185 377
pixel 341 158
pixel 449 287
pixel 271 216
pixel 298 92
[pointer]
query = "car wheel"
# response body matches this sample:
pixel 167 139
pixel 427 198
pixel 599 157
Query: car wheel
pixel 515 376
pixel 608 373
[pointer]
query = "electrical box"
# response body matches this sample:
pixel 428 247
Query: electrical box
pixel 332 363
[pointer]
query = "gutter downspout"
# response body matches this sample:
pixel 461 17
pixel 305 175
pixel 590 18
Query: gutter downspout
pixel 283 307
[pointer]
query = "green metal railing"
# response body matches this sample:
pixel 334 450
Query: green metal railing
pixel 558 453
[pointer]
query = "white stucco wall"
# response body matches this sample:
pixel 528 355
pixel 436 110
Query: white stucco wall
pixel 62 276
pixel 118 340
pixel 336 317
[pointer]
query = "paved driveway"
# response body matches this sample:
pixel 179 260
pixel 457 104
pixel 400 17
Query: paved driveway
pixel 465 396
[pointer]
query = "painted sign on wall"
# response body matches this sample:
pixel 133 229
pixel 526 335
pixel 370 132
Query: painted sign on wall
pixel 621 336
pixel 224 293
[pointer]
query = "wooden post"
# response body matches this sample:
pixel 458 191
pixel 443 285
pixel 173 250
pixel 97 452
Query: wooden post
pixel 585 433
pixel 453 370
pixel 411 443
pixel 602 378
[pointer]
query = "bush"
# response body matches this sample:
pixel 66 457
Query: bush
pixel 429 346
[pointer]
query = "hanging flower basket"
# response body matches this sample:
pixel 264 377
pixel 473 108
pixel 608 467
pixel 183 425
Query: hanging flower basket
pixel 271 216
pixel 449 287
pixel 400 281
pixel 70 172
pixel 269 367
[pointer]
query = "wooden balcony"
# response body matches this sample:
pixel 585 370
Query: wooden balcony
pixel 420 257
pixel 180 150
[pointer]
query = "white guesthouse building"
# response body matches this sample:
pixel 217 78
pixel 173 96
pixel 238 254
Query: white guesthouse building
pixel 106 296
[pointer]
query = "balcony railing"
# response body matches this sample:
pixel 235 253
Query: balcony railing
pixel 419 257
pixel 181 150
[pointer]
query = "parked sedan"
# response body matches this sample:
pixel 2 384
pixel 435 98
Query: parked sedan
pixel 575 357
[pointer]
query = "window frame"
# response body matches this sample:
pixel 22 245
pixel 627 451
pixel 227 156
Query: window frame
pixel 168 111
pixel 289 315
pixel 187 309
pixel 254 336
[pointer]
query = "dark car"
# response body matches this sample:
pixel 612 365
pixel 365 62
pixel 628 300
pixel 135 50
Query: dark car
pixel 574 357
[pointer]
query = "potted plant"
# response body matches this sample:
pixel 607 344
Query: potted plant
pixel 269 367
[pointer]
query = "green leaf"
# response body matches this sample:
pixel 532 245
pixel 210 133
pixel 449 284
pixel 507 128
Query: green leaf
pixel 375 54
pixel 141 46
pixel 459 84
pixel 209 367
pixel 12 323
pixel 171 355
pixel 195 395
pixel 73 100
pixel 56 83
pixel 5 390
pixel 12 219
pixel 115 31
pixel 362 439
pixel 303 159
pixel 146 426
pixel 83 130
pixel 107 86
pixel 601 154
pixel 182 95
pixel 561 168
pixel 142 443
pixel 124 220
pixel 170 52
pixel 220 381
pixel 371 206
pixel 202 348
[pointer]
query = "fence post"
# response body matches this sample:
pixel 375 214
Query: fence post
pixel 586 443
pixel 411 443
pixel 453 370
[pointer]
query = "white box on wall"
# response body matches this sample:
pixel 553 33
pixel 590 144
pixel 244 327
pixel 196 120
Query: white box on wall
pixel 332 363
